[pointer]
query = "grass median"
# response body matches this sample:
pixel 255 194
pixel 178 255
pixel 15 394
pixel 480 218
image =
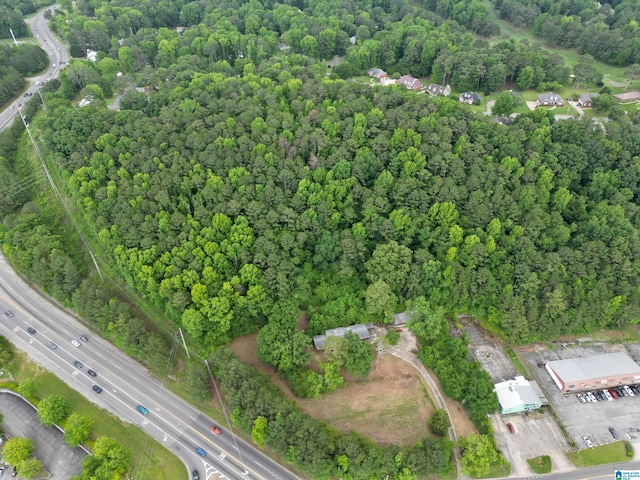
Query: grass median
pixel 151 461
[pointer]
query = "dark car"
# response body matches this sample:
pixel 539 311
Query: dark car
pixel 31 330
pixel 84 338
pixel 142 410
pixel 77 364
pixel 613 432
pixel 92 373
pixel 9 313
pixel 201 452
pixel 195 475
pixel 635 389
pixel 97 389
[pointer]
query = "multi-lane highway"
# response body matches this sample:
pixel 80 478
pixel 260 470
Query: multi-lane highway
pixel 45 332
pixel 58 58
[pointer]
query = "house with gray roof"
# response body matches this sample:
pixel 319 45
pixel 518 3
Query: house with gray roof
pixel 377 73
pixel 471 98
pixel 549 99
pixel 586 99
pixel 435 89
pixel 364 332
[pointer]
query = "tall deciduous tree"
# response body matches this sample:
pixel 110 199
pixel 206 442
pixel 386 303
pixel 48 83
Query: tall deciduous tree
pixel 53 409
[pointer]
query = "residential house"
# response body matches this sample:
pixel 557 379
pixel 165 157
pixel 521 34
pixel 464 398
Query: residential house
pixel 435 89
pixel 364 332
pixel 472 98
pixel 586 99
pixel 409 82
pixel 628 96
pixel 549 99
pixel 377 73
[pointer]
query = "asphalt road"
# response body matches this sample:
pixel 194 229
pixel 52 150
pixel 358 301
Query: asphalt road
pixel 57 54
pixel 21 420
pixel 170 420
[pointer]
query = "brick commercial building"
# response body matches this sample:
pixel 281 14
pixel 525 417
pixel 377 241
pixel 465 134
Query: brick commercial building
pixel 598 371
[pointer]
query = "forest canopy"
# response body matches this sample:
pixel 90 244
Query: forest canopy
pixel 225 195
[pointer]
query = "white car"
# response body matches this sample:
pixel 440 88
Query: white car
pixel 629 391
pixel 608 395
pixel 588 442
pixel 75 343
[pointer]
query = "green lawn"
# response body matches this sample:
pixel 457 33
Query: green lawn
pixel 508 31
pixel 498 471
pixel 151 461
pixel 609 453
pixel 541 464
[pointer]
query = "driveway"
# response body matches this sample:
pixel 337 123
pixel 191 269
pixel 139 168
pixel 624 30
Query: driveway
pixel 20 420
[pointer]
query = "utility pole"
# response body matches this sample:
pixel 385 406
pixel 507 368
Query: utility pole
pixel 185 344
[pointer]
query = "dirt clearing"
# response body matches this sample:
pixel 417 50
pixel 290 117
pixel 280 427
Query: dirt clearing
pixel 390 407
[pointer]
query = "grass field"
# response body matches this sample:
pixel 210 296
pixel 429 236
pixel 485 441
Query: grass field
pixel 151 461
pixel 571 57
pixel 612 452
pixel 540 465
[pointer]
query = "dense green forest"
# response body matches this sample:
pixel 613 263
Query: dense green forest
pixel 17 62
pixel 608 31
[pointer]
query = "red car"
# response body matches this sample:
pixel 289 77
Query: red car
pixel 510 427
pixel 215 430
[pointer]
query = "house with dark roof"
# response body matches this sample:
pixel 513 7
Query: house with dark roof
pixel 628 96
pixel 586 99
pixel 472 98
pixel 377 73
pixel 549 99
pixel 409 82
pixel 435 89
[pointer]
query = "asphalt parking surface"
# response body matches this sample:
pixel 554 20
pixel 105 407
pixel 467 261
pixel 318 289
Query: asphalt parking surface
pixel 21 420
pixel 588 419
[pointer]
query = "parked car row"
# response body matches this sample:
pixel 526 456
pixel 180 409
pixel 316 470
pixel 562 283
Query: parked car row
pixel 609 394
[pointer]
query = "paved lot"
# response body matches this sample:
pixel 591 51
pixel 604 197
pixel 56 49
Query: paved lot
pixel 20 420
pixel 535 434
pixel 591 419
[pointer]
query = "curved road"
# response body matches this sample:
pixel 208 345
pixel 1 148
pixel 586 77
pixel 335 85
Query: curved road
pixel 170 420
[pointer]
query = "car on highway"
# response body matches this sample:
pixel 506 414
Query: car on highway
pixel 9 313
pixel 75 343
pixel 142 410
pixel 77 364
pixel 613 433
pixel 31 330
pixel 84 338
pixel 588 441
pixel 92 373
pixel 97 389
pixel 216 430
pixel 52 346
pixel 195 475
pixel 201 452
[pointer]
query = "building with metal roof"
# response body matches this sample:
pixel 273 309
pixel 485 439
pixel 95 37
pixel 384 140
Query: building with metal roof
pixel 517 396
pixel 362 330
pixel 598 371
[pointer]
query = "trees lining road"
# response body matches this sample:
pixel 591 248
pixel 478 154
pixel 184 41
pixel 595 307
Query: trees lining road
pixel 171 421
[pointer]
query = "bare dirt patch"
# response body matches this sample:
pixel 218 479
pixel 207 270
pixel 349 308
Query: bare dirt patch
pixel 391 406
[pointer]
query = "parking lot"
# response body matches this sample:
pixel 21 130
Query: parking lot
pixel 536 434
pixel 592 419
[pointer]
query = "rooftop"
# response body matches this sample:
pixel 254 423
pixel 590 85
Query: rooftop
pixel 574 370
pixel 513 393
